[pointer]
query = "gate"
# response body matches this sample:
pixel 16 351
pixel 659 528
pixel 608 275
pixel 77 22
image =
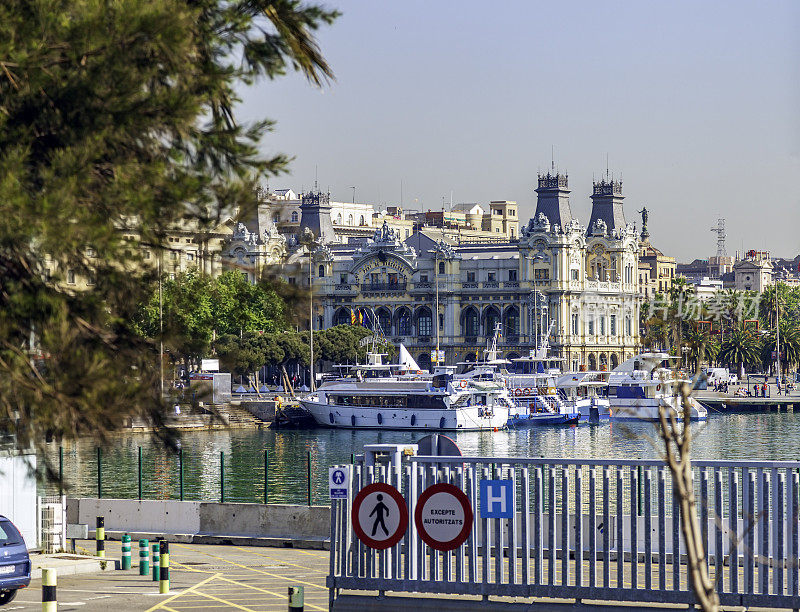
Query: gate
pixel 585 529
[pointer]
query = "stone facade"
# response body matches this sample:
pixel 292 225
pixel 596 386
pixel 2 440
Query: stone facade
pixel 582 280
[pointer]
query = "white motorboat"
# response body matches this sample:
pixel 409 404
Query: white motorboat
pixel 586 393
pixel 640 386
pixel 376 396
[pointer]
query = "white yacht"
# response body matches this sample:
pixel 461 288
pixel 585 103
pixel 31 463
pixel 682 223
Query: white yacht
pixel 375 396
pixel 587 394
pixel 638 387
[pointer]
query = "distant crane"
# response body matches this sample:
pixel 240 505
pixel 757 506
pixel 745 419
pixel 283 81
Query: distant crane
pixel 721 235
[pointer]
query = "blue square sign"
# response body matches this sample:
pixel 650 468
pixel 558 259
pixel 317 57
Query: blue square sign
pixel 339 482
pixel 497 498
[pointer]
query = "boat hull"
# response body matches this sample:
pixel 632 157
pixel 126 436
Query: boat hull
pixel 648 409
pixel 468 418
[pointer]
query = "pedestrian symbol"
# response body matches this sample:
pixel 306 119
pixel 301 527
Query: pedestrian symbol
pixel 379 516
pixel 339 482
pixel 380 508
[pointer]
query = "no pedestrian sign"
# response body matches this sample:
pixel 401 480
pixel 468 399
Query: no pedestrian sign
pixel 338 482
pixel 379 516
pixel 443 517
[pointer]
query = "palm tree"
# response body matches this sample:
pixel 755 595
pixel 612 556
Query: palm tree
pixel 790 347
pixel 701 346
pixel 740 348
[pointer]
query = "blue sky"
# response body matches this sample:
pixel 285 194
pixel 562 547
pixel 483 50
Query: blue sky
pixel 695 105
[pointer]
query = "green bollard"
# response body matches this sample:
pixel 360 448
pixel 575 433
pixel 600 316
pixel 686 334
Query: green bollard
pixel 156 561
pixel 100 536
pixel 163 583
pixel 144 557
pixel 295 599
pixel 126 552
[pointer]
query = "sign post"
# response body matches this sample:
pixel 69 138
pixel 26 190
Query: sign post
pixel 339 482
pixel 443 517
pixel 497 499
pixel 379 516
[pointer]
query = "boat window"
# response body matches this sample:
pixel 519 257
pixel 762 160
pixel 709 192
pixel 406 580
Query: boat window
pixel 612 392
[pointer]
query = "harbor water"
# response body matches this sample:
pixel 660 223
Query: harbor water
pixel 767 436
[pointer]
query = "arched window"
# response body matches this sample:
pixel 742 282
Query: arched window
pixel 349 219
pixel 441 267
pixel 321 271
pixel 491 318
pixel 511 321
pixel 424 322
pixel 342 317
pixel 361 220
pixel 592 362
pixel 470 322
pixel 385 320
pixel 294 216
pixel 339 219
pixel 403 322
pixel 614 360
pixel 424 361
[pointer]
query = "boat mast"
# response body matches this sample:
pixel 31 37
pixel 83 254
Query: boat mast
pixel 436 279
pixel 311 315
pixel 777 335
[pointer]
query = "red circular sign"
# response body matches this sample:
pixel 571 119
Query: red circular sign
pixel 379 515
pixel 443 517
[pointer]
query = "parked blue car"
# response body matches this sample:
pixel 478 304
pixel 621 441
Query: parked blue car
pixel 15 564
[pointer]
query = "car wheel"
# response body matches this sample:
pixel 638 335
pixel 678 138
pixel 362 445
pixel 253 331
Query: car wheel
pixel 7 596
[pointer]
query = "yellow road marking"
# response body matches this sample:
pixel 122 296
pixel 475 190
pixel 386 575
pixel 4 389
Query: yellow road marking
pixel 191 589
pixel 262 590
pixel 252 552
pixel 253 569
pixel 230 603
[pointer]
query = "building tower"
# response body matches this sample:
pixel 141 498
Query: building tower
pixel 553 199
pixel 315 210
pixel 607 205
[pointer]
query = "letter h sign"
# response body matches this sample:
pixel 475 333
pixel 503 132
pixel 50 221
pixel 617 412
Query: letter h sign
pixel 497 498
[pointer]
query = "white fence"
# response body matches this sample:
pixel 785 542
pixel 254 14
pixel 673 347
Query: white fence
pixel 586 529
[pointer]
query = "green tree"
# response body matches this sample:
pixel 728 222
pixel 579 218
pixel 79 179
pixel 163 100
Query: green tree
pixel 118 122
pixel 740 348
pixel 241 306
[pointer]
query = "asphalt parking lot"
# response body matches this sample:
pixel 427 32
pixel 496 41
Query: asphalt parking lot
pixel 203 577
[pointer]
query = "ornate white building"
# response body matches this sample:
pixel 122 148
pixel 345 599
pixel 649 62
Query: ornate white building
pixel 582 279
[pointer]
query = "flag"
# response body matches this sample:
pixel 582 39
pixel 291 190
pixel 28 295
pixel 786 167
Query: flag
pixel 360 318
pixel 352 317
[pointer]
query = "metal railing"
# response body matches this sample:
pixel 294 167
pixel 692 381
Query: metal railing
pixel 587 529
pixel 383 286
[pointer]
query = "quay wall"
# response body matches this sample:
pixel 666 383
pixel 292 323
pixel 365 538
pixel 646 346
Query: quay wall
pixel 207 522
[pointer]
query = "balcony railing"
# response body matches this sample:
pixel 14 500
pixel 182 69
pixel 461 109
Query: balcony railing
pixel 469 285
pixel 491 285
pixel 343 287
pixel 383 287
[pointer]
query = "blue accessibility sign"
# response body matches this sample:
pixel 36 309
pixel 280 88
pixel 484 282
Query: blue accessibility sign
pixel 497 498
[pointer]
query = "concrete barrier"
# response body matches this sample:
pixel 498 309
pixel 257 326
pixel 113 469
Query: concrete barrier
pixel 208 522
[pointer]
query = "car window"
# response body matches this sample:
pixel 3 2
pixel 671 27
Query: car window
pixel 9 534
